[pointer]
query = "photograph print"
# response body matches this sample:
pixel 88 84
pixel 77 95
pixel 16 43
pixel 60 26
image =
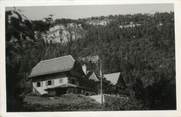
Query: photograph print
pixel 90 58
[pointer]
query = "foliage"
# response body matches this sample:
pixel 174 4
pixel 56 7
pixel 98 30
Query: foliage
pixel 23 51
pixel 145 54
pixel 69 102
pixel 19 41
pixel 74 102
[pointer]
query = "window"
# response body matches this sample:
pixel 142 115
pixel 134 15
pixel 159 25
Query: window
pixel 73 81
pixel 61 80
pixel 38 84
pixel 49 82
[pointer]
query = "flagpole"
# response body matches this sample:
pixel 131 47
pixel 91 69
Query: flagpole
pixel 101 75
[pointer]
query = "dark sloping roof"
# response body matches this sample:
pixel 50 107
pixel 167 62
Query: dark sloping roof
pixel 55 65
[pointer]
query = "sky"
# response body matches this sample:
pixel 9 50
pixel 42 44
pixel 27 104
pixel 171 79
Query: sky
pixel 84 11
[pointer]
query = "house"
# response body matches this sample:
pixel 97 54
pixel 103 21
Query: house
pixel 98 22
pixel 130 25
pixel 58 76
pixel 112 77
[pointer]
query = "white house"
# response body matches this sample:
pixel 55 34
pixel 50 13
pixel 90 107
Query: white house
pixel 57 76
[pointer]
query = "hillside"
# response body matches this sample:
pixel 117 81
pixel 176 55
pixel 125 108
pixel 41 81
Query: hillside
pixel 75 102
pixel 67 102
pixel 140 46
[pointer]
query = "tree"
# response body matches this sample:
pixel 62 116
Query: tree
pixel 19 41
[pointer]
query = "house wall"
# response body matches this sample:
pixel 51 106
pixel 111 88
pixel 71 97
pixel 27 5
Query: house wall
pixel 73 80
pixel 56 81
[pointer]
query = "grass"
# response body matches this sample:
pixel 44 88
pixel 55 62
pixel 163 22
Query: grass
pixel 75 102
pixel 68 102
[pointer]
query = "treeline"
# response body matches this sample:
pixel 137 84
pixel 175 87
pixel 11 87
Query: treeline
pixel 145 56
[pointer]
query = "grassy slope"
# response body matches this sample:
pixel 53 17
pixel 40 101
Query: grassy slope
pixel 67 102
pixel 73 102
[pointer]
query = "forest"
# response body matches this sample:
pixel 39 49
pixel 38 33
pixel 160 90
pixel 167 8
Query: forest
pixel 144 55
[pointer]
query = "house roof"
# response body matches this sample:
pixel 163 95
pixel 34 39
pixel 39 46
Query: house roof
pixel 112 77
pixel 55 65
pixel 93 76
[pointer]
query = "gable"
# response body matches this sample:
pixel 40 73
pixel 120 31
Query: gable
pixel 112 77
pixel 93 77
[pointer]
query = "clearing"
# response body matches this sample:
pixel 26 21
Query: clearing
pixel 72 102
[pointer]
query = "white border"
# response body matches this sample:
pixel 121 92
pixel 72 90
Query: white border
pixel 10 3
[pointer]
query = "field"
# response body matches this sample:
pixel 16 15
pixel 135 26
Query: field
pixel 71 102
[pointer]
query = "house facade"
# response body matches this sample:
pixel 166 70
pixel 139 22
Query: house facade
pixel 58 76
